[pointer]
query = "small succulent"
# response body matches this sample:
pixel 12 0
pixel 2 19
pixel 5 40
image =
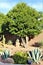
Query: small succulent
pixel 35 55
pixel 5 54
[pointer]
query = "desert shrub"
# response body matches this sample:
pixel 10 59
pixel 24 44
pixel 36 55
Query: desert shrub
pixel 20 58
pixel 10 42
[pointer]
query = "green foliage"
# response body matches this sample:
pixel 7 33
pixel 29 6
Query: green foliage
pixel 25 19
pixel 35 55
pixel 22 20
pixel 5 26
pixel 5 54
pixel 20 58
pixel 2 20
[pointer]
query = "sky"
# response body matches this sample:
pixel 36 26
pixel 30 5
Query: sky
pixel 6 5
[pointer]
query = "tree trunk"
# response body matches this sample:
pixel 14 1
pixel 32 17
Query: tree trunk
pixel 3 39
pixel 23 42
pixel 17 43
pixel 27 39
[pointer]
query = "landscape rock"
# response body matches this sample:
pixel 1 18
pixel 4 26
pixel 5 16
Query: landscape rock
pixel 8 60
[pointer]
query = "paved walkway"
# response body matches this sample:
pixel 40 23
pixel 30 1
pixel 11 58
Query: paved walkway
pixel 10 64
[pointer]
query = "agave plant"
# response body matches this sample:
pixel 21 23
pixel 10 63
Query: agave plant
pixel 5 54
pixel 35 55
pixel 42 56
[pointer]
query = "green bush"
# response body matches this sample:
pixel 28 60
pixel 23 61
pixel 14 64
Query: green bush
pixel 20 58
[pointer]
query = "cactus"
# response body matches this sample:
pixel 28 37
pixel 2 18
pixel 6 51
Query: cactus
pixel 35 55
pixel 5 54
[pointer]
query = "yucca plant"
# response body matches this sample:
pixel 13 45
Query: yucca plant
pixel 35 55
pixel 5 54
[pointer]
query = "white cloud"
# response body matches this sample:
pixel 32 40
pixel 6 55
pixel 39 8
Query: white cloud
pixel 38 6
pixel 4 5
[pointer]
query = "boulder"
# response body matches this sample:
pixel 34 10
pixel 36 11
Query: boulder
pixel 8 60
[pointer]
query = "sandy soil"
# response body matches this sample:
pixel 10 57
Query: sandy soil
pixel 29 46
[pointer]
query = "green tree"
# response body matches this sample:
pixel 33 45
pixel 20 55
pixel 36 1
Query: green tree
pixel 22 21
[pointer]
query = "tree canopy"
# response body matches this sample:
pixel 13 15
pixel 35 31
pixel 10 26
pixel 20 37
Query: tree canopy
pixel 22 20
